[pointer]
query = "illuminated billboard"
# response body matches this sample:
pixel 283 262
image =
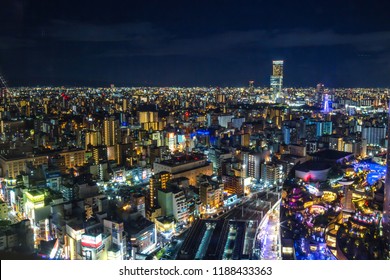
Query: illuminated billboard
pixel 91 241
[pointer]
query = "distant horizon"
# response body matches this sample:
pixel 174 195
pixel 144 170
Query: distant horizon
pixel 108 85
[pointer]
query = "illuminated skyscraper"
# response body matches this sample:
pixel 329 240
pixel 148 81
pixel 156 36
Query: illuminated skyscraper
pixel 110 127
pixel 147 116
pixel 276 80
pixel 254 166
pixel 326 104
pixel 93 138
pixel 157 181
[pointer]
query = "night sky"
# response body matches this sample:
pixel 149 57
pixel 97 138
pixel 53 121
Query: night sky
pixel 344 43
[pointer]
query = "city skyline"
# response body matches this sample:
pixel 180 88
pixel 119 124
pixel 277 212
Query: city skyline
pixel 195 173
pixel 222 43
pixel 171 130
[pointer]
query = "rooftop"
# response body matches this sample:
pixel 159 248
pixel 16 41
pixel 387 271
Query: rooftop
pixel 313 165
pixel 183 159
pixel 331 154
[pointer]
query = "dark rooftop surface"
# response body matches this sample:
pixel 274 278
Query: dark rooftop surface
pixel 183 159
pixel 331 154
pixel 313 165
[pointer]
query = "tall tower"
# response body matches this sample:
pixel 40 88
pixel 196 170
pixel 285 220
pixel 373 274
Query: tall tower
pixel 386 202
pixel 110 126
pixel 326 104
pixel 251 86
pixel 319 93
pixel 276 80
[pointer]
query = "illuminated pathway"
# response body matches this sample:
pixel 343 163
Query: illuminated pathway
pixel 268 235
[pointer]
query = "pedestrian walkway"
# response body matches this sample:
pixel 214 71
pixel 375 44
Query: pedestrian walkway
pixel 269 235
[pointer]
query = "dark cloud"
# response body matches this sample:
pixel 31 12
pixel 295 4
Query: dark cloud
pixel 188 42
pixel 137 33
pixel 304 38
pixel 257 40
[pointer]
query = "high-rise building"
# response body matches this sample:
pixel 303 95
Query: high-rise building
pixel 225 119
pixel 171 141
pixel 251 86
pixel 319 93
pixel 375 135
pixel 233 185
pixel 254 166
pixel 118 247
pixel 217 156
pixel 12 167
pixel 93 138
pixel 73 158
pixel 147 116
pixel 125 105
pixel 110 127
pixel 99 153
pixel 336 143
pixel 157 181
pixel 276 81
pixel 326 104
pixel 211 196
pixel 272 173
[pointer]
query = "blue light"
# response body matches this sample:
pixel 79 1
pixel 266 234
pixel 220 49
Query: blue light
pixel 203 132
pixel 377 171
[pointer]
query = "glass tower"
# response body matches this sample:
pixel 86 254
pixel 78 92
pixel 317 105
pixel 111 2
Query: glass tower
pixel 276 80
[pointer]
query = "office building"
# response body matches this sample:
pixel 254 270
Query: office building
pixel 254 166
pixel 276 80
pixel 157 181
pixel 211 196
pixel 272 173
pixel 375 135
pixel 110 127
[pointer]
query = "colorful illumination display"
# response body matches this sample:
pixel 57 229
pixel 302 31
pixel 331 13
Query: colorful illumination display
pixel 375 171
